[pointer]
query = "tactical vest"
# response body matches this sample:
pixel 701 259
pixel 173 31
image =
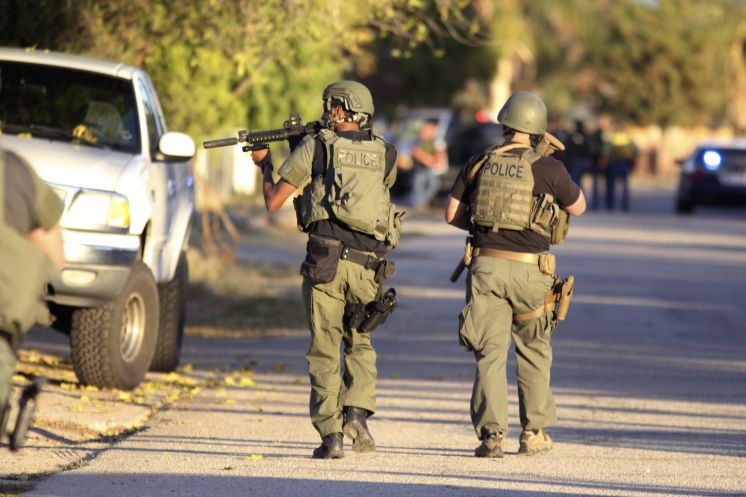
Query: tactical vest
pixel 503 197
pixel 24 269
pixel 351 190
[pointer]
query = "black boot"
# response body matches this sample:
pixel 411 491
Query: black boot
pixel 356 428
pixel 491 446
pixel 331 447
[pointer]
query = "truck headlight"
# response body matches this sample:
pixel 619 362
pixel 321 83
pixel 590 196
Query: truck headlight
pixel 93 210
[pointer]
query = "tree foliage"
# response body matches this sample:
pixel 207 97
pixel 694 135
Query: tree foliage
pixel 219 64
pixel 662 63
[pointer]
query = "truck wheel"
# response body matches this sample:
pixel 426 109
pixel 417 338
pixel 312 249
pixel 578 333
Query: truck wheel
pixel 112 346
pixel 173 299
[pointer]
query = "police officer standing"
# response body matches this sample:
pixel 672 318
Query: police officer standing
pixel 30 239
pixel 510 198
pixel 345 172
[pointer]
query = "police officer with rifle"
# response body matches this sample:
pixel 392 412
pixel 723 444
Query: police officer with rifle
pixel 344 173
pixel 514 200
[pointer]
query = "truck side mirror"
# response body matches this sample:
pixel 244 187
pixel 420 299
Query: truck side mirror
pixel 175 146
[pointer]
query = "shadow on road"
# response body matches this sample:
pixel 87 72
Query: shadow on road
pixel 200 485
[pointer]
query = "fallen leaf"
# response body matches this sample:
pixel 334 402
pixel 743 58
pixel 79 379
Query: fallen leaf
pixel 246 382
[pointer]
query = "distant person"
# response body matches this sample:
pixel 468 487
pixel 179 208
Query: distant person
pixel 559 130
pixel 30 238
pixel 427 160
pixel 345 172
pixel 577 156
pixel 598 159
pixel 512 273
pixel 620 152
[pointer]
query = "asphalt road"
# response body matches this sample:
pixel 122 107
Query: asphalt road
pixel 649 377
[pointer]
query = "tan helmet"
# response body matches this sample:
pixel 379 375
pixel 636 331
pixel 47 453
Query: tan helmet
pixel 524 112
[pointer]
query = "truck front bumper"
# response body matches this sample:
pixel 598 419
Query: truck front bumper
pixel 97 266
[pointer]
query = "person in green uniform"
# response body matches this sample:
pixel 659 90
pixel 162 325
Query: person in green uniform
pixel 345 173
pixel 30 238
pixel 494 197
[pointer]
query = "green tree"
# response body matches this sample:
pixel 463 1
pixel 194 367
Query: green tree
pixel 220 63
pixel 662 62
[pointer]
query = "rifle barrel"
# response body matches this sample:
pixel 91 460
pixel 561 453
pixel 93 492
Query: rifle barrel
pixel 222 142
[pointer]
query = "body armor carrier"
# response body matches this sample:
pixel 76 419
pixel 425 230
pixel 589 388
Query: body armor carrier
pixel 23 273
pixel 351 189
pixel 503 197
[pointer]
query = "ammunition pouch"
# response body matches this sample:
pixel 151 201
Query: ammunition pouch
pixel 298 207
pixel 393 232
pixel 549 219
pixel 544 214
pixel 366 317
pixel 548 264
pixel 560 228
pixel 322 259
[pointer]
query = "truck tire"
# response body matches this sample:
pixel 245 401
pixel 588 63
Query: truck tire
pixel 173 299
pixel 112 346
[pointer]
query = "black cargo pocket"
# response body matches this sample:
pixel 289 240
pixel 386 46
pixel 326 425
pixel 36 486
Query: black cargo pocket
pixel 466 332
pixel 322 259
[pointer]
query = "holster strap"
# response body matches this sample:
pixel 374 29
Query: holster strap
pixel 363 258
pixel 527 316
pixel 506 254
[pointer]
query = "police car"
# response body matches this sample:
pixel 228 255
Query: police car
pixel 714 174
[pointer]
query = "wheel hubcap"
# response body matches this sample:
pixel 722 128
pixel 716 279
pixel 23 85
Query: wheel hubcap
pixel 133 327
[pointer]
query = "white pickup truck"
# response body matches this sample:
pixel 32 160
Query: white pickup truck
pixel 94 130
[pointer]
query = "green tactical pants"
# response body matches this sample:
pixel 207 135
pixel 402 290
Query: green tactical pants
pixel 7 368
pixel 356 386
pixel 498 289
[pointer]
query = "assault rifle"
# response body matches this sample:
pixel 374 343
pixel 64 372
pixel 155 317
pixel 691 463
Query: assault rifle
pixel 256 140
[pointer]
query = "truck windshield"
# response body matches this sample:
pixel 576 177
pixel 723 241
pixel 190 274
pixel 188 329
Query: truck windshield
pixel 62 104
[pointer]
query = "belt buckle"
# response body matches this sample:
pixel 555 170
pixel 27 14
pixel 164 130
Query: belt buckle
pixel 345 253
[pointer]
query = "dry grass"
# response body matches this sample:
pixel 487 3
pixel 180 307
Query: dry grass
pixel 242 299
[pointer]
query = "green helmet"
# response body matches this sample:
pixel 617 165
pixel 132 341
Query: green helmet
pixel 355 97
pixel 524 112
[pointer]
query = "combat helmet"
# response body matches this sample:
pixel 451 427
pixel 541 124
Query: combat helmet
pixel 524 112
pixel 355 98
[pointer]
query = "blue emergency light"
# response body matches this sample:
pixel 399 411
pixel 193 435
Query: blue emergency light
pixel 712 160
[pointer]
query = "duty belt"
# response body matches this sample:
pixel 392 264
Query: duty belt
pixel 506 254
pixel 363 258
